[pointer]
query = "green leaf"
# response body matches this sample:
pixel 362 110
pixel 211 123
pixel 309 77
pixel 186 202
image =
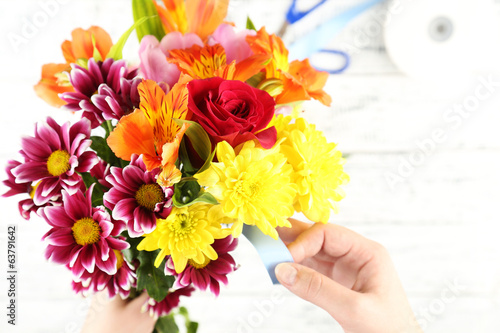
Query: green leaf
pixel 98 191
pixel 151 278
pixel 147 9
pixel 96 54
pixel 131 253
pixel 185 192
pixel 116 50
pixel 250 25
pixel 200 142
pixel 198 137
pixel 255 80
pixel 187 166
pixel 189 192
pixel 166 324
pixel 191 326
pixel 100 146
pixel 208 161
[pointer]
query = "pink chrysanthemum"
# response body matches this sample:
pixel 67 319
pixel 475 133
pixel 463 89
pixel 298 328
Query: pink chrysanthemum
pixel 26 206
pixel 170 302
pixel 117 284
pixel 81 235
pixel 53 157
pixel 104 78
pixel 100 171
pixel 212 272
pixel 136 197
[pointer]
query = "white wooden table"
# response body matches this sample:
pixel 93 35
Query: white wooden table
pixel 439 220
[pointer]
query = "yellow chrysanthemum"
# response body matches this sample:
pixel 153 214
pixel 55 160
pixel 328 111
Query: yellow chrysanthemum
pixel 186 234
pixel 318 169
pixel 253 185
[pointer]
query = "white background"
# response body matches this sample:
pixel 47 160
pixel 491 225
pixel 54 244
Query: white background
pixel 439 220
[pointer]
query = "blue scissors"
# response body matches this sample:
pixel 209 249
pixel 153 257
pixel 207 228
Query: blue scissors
pixel 315 41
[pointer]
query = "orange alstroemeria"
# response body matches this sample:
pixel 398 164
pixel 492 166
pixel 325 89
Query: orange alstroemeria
pixel 311 79
pixel 54 82
pixel 300 80
pixel 210 60
pixel 81 48
pixel 134 135
pixel 201 17
pixel 272 45
pixel 170 174
pixel 151 129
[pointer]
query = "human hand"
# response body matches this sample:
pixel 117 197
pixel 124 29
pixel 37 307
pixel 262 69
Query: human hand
pixel 348 275
pixel 118 315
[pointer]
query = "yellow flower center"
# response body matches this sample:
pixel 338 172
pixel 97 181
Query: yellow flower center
pixel 148 195
pixel 119 259
pixel 247 188
pixel 86 231
pixel 182 225
pixel 197 265
pixel 58 163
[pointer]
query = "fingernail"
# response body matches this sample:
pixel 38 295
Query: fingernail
pixel 286 273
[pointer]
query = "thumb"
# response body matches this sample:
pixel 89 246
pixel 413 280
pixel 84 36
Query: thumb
pixel 316 288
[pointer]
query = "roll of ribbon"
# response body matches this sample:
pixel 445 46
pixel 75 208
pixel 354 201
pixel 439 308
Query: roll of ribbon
pixel 271 251
pixel 443 38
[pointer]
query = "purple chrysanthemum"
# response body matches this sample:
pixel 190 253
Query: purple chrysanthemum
pixel 212 272
pixel 53 157
pixel 136 198
pixel 103 90
pixel 116 104
pixel 170 302
pixel 81 235
pixel 117 284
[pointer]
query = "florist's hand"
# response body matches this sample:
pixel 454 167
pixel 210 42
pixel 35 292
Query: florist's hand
pixel 348 275
pixel 118 315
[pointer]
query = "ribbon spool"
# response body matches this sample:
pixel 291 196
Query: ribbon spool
pixel 443 38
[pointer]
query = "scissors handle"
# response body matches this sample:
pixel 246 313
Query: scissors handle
pixel 294 15
pixel 342 54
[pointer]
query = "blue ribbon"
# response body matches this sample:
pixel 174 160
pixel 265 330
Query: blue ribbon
pixel 317 39
pixel 271 251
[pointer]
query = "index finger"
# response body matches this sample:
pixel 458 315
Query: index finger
pixel 288 235
pixel 334 240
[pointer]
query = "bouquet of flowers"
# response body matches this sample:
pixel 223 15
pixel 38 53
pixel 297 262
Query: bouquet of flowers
pixel 149 189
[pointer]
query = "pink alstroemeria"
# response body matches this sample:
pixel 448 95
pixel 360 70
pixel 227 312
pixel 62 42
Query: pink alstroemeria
pixel 136 198
pixel 81 235
pixel 53 158
pixel 153 55
pixel 234 43
pixel 212 272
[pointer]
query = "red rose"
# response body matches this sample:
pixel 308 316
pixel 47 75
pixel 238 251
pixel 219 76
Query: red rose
pixel 232 111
